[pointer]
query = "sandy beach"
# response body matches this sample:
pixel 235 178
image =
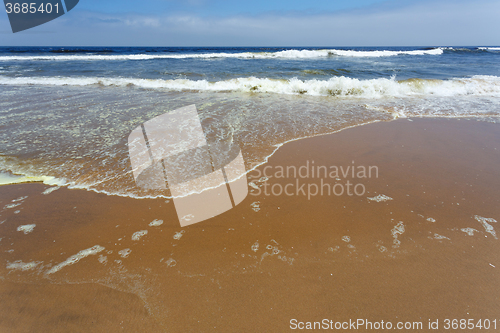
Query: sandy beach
pixel 418 245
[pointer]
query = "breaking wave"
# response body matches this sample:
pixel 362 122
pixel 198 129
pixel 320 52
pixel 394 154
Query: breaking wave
pixel 286 54
pixel 489 48
pixel 480 85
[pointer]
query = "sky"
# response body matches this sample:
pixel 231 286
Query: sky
pixel 266 23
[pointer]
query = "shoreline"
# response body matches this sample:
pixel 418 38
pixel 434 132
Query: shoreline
pixel 55 182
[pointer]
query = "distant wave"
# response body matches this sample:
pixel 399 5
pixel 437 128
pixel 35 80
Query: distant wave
pixel 81 51
pixel 287 54
pixel 489 48
pixel 336 86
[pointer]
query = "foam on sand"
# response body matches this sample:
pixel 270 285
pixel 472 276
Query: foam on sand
pixel 76 258
pixel 178 235
pixel 486 224
pixel 380 198
pixel 469 231
pixel 138 234
pixel 27 228
pixel 12 205
pixel 124 253
pixel 440 237
pixel 20 199
pixel 255 206
pixel 51 189
pixel 398 230
pixel 102 259
pixel 170 262
pixel 19 265
pixel 15 203
pixel 156 223
pixel 489 48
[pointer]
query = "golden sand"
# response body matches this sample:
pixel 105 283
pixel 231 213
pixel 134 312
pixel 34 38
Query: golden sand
pixel 406 254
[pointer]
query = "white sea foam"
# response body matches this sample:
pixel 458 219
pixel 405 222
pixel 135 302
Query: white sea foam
pixel 20 199
pixel 486 224
pixel 137 235
pixel 286 54
pixel 102 259
pixel 381 248
pixel 171 262
pixel 255 206
pixel 489 48
pixel 27 228
pixel 76 258
pixel 178 235
pixel 51 189
pixel 479 85
pixel 380 198
pixel 398 230
pixel 156 223
pixel 124 253
pixel 19 265
pixel 13 205
pixel 469 231
pixel 440 237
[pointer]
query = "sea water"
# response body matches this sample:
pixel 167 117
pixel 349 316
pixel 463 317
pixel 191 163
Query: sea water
pixel 66 113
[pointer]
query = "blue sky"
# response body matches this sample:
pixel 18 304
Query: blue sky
pixel 267 23
pixel 222 8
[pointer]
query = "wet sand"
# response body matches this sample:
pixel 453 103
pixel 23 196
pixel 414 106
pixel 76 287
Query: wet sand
pixel 273 258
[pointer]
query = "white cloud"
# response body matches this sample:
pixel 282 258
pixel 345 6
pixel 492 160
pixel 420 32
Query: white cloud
pixel 152 22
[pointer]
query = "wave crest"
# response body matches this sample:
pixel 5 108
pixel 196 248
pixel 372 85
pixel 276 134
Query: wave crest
pixel 335 86
pixel 286 54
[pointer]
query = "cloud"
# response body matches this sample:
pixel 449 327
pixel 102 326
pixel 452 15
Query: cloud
pixel 415 24
pixel 152 22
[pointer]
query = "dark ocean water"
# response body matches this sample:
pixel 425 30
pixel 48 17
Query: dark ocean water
pixel 66 112
pixel 217 64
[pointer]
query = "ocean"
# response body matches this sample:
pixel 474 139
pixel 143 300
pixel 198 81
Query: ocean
pixel 364 202
pixel 66 112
